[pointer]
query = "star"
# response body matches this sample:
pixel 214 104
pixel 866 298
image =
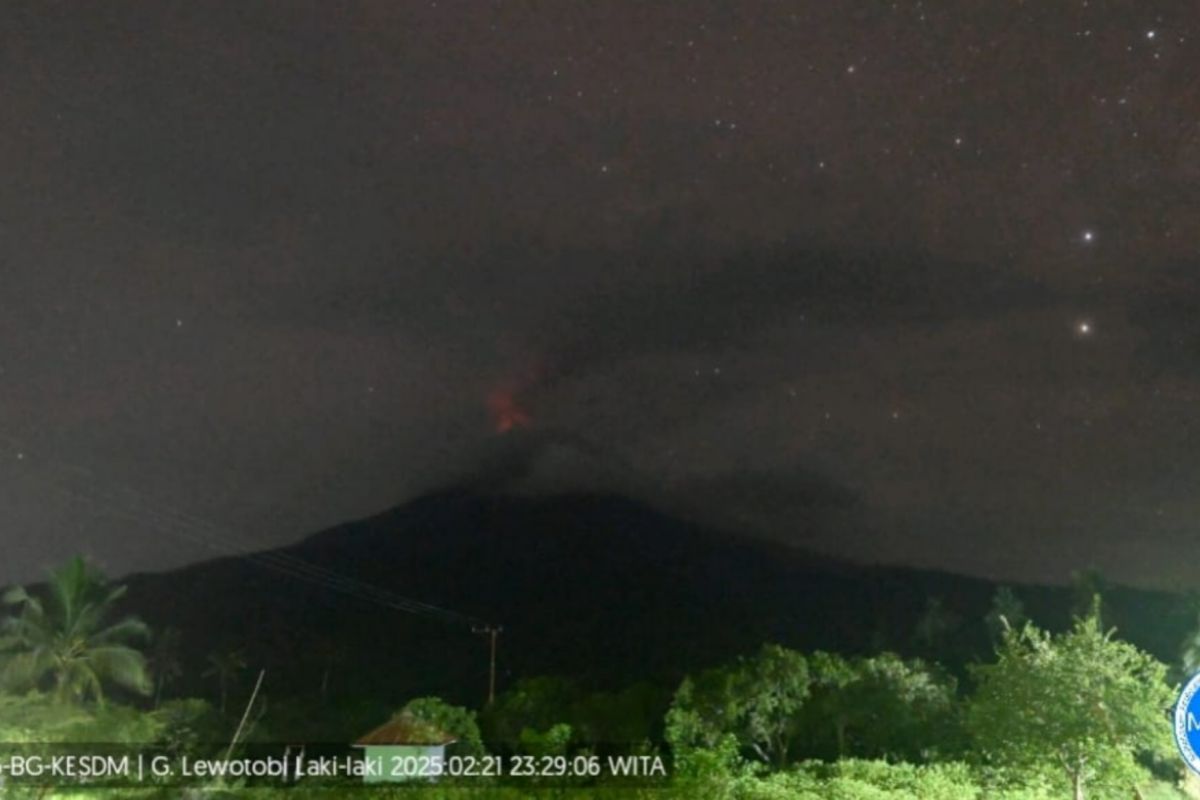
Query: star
pixel 1088 236
pixel 1083 328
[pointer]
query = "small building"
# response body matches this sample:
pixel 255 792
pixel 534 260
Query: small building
pixel 404 749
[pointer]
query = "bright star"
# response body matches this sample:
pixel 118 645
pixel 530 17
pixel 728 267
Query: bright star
pixel 1084 328
pixel 1089 236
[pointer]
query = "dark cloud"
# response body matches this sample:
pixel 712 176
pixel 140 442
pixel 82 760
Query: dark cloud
pixel 792 504
pixel 759 263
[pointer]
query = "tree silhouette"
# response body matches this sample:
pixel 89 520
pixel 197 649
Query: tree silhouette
pixel 164 661
pixel 65 640
pixel 1088 588
pixel 225 667
pixel 934 626
pixel 1007 612
pixel 331 654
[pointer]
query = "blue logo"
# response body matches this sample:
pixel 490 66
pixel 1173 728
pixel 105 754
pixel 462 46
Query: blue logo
pixel 1187 723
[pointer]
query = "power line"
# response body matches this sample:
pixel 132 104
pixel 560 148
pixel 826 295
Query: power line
pixel 283 563
pixel 198 530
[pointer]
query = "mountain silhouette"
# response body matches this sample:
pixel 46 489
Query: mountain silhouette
pixel 598 587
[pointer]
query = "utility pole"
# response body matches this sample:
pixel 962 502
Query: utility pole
pixel 492 632
pixel 245 715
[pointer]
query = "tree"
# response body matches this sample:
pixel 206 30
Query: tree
pixel 755 701
pixel 457 721
pixel 1187 612
pixel 831 707
pixel 331 653
pixel 629 716
pixel 554 741
pixel 225 667
pixel 1082 706
pixel 1088 586
pixel 935 624
pixel 65 639
pixel 878 707
pixel 1189 651
pixel 1007 611
pixel 905 709
pixel 164 661
pixel 773 687
pixel 189 727
pixel 538 703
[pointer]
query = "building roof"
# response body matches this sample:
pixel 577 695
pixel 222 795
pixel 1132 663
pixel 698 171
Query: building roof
pixel 405 729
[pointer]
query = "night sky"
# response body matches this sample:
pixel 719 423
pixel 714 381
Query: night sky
pixel 909 282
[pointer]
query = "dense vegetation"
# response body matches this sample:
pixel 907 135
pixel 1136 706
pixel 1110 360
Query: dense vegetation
pixel 1076 713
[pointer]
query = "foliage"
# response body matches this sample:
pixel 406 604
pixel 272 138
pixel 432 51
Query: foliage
pixel 163 661
pixel 827 717
pixel 935 624
pixel 879 707
pixel 619 719
pixel 188 726
pixel 714 764
pixel 41 718
pixel 225 667
pixel 553 741
pixel 1007 611
pixel 612 721
pixel 536 703
pixel 35 717
pixel 1077 712
pixel 1189 652
pixel 1080 706
pixel 1188 658
pixel 457 721
pixel 865 780
pixel 755 701
pixel 1087 587
pixel 852 779
pixel 64 641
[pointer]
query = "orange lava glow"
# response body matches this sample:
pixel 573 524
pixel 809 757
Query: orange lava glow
pixel 506 411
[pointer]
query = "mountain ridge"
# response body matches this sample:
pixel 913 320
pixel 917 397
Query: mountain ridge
pixel 602 588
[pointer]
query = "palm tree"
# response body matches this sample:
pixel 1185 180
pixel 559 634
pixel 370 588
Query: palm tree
pixel 164 661
pixel 65 640
pixel 225 667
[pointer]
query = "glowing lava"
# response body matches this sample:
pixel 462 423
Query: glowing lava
pixel 505 409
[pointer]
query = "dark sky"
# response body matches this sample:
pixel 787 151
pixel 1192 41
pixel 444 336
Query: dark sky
pixel 908 282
